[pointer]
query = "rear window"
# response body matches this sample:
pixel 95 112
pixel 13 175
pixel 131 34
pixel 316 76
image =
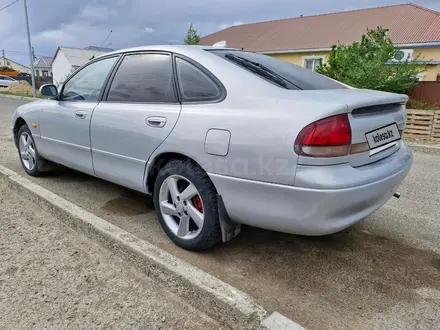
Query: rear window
pixel 300 77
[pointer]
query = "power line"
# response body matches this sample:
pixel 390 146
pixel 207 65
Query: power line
pixel 25 53
pixel 9 5
pixel 22 53
pixel 16 52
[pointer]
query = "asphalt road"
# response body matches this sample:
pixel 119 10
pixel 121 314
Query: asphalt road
pixel 382 273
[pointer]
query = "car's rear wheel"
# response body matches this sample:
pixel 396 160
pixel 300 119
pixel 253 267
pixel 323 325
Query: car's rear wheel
pixel 186 205
pixel 27 150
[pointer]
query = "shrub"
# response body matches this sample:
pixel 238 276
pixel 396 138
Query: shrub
pixel 368 64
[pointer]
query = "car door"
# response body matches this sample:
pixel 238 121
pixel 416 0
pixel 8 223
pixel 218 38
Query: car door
pixel 65 122
pixel 138 112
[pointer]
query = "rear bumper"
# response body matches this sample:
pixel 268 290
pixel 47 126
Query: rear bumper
pixel 312 211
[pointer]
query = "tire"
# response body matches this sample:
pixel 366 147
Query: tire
pixel 37 166
pixel 182 172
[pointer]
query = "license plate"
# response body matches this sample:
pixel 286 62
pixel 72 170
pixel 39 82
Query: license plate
pixel 383 136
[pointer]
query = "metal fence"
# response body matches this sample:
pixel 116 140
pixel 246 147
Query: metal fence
pixel 427 92
pixel 38 80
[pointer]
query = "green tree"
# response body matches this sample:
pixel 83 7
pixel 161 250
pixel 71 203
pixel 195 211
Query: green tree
pixel 368 64
pixel 192 37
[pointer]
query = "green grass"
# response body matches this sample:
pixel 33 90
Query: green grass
pixel 26 94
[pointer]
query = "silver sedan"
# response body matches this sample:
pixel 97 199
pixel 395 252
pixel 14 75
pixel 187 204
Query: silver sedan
pixel 6 81
pixel 222 137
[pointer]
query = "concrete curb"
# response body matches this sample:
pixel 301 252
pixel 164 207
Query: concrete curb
pixel 19 97
pixel 425 148
pixel 207 293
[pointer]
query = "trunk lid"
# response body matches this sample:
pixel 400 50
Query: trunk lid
pixel 368 111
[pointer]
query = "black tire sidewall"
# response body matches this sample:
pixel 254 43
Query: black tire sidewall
pixel 35 171
pixel 210 233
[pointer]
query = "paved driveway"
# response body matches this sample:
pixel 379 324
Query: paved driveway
pixel 382 273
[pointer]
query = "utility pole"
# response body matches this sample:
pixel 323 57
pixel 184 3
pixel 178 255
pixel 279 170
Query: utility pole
pixel 30 48
pixel 3 57
pixel 33 53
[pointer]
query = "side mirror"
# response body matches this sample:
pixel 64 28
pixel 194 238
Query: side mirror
pixel 49 90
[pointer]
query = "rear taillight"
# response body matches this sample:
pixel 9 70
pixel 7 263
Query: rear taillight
pixel 328 137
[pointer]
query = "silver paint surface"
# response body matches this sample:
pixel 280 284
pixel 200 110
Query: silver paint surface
pixel 263 182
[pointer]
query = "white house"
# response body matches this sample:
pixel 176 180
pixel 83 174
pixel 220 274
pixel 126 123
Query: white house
pixel 43 67
pixel 22 69
pixel 68 59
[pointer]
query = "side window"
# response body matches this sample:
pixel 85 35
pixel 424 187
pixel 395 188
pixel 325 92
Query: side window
pixel 144 78
pixel 194 84
pixel 86 84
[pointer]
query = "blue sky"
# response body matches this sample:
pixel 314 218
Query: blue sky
pixel 80 23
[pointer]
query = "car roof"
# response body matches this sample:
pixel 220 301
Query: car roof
pixel 181 49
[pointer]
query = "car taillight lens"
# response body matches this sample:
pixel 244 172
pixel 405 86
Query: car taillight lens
pixel 328 137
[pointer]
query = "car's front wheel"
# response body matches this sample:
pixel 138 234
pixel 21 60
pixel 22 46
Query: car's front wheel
pixel 27 150
pixel 186 204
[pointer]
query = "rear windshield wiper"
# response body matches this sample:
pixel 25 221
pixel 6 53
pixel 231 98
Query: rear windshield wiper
pixel 258 69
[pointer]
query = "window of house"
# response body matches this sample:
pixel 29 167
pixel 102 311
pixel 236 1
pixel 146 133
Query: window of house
pixel 143 78
pixel 37 73
pixel 44 73
pixel 194 84
pixel 312 62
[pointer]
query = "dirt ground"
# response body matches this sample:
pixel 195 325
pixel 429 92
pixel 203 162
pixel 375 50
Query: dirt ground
pixel 52 277
pixel 19 87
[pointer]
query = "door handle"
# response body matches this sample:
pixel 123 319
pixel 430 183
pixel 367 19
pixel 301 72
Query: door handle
pixel 81 114
pixel 156 121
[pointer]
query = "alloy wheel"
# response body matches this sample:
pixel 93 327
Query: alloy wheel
pixel 27 151
pixel 181 207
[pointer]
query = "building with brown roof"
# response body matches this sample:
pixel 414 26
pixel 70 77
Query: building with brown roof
pixel 307 40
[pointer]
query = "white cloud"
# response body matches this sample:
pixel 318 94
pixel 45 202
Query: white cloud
pixel 88 22
pixel 77 32
pixel 97 13
pixel 226 25
pixel 67 35
pixel 149 30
